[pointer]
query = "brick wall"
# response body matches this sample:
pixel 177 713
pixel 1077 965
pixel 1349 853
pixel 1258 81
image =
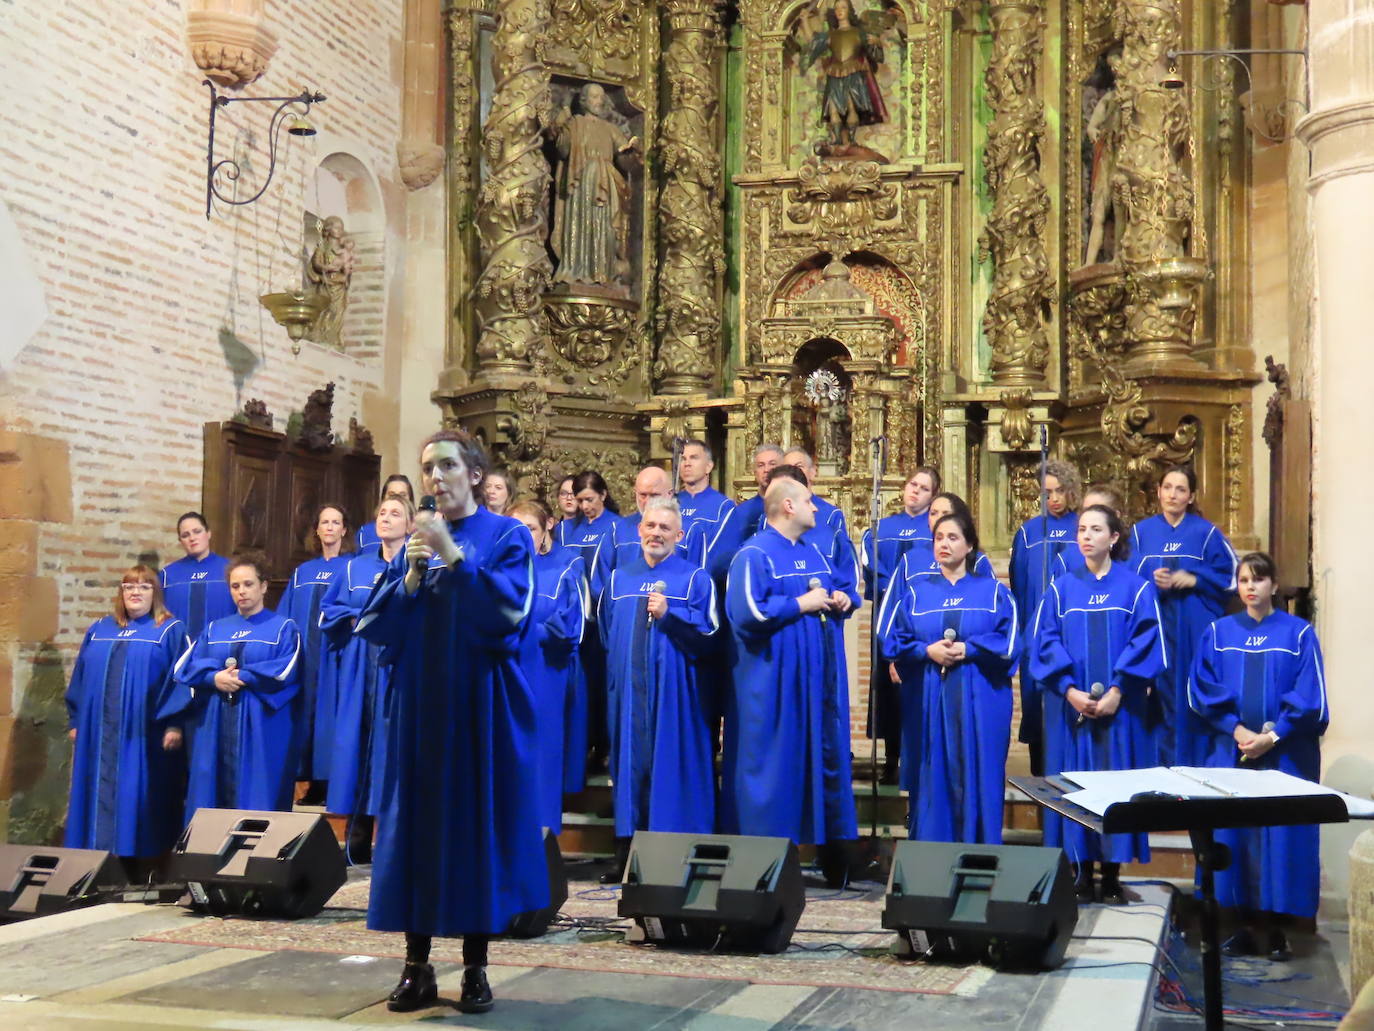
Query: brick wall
pixel 151 307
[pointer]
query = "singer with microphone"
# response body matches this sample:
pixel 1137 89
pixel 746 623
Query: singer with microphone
pixel 1096 648
pixel 953 636
pixel 657 619
pixel 241 678
pixel 786 765
pixel 458 845
pixel 1257 684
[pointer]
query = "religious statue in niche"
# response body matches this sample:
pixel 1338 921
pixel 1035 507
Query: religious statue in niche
pixel 331 272
pixel 1102 140
pixel 831 434
pixel 591 211
pixel 842 59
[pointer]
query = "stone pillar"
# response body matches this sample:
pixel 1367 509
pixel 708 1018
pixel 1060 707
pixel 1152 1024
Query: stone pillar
pixel 1014 239
pixel 689 213
pixel 1340 132
pixel 512 218
pixel 35 758
pixel 420 152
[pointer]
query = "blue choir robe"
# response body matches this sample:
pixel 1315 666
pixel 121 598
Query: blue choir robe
pixel 702 516
pixel 881 553
pixel 916 563
pixel 740 523
pixel 1198 547
pixel 1097 631
pixel 458 841
pixel 242 747
pixel 353 679
pixel 315 703
pixel 1038 542
pixel 126 790
pixel 1255 673
pixel 366 537
pixel 965 727
pixel 197 592
pixel 786 764
pixel 587 538
pixel 548 658
pixel 662 744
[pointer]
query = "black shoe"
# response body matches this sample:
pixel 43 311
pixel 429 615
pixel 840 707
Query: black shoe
pixel 889 774
pixel 1112 893
pixel 314 794
pixel 1083 883
pixel 1242 943
pixel 476 997
pixel 616 873
pixel 416 989
pixel 1279 951
pixel 833 859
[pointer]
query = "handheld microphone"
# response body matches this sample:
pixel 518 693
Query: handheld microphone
pixel 1268 728
pixel 951 635
pixel 426 505
pixel 1097 691
pixel 657 587
pixel 231 664
pixel 815 583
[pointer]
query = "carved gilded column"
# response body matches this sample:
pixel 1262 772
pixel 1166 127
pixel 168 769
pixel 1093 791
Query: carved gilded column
pixel 512 222
pixel 689 215
pixel 1152 186
pixel 1014 238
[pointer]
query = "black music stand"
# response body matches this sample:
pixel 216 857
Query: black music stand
pixel 1200 817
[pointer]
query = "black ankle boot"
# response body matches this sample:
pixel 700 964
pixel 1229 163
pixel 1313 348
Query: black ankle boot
pixel 416 990
pixel 1083 882
pixel 1112 892
pixel 476 997
pixel 616 873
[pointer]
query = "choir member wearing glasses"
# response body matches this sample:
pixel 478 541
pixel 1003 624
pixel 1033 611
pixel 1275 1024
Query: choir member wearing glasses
pixel 125 722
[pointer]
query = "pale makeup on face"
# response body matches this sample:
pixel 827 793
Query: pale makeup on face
pixel 138 599
pixel 194 538
pixel 249 592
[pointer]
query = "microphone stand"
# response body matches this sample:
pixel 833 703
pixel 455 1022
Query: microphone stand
pixel 879 444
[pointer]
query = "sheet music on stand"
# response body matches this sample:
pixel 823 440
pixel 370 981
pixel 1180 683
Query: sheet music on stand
pixel 1102 788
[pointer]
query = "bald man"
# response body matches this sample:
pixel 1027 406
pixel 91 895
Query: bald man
pixel 786 770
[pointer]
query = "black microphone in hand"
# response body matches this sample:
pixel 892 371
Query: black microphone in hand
pixel 1268 728
pixel 1097 691
pixel 815 584
pixel 951 635
pixel 426 505
pixel 657 587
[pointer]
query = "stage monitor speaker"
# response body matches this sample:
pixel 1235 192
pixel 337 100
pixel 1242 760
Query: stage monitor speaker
pixel 1011 904
pixel 37 881
pixel 744 893
pixel 536 921
pixel 259 863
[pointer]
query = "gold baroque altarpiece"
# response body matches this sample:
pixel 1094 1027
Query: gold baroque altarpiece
pixel 955 224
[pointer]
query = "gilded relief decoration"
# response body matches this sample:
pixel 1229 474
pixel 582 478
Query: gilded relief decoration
pixel 511 214
pixel 1022 291
pixel 690 221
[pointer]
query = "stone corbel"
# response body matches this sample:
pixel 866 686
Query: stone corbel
pixel 420 154
pixel 230 40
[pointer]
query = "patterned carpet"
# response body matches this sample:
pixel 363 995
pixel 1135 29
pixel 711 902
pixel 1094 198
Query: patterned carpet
pixel 839 943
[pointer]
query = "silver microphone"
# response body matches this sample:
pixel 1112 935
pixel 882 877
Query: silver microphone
pixel 951 635
pixel 813 584
pixel 1268 728
pixel 657 587
pixel 1097 691
pixel 232 663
